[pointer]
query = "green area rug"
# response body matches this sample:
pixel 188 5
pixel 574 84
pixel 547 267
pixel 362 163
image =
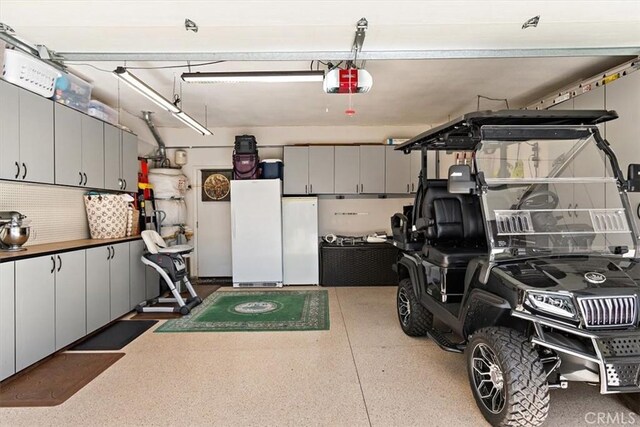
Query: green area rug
pixel 256 311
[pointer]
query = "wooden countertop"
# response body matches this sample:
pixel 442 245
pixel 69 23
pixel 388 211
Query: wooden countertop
pixel 59 247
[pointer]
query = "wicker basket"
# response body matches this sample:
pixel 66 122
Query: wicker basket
pixel 107 215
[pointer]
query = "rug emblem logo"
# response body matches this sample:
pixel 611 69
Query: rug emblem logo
pixel 255 307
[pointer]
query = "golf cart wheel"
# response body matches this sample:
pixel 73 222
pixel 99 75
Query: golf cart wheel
pixel 415 320
pixel 631 401
pixel 507 378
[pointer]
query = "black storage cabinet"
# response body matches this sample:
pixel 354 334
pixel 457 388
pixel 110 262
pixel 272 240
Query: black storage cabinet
pixel 367 264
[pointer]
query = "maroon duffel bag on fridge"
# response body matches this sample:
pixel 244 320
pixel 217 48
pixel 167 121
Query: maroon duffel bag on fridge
pixel 246 166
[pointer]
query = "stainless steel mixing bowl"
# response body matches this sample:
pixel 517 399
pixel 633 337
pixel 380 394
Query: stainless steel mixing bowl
pixel 13 237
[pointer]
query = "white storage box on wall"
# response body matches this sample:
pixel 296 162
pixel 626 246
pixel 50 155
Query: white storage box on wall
pixel 29 73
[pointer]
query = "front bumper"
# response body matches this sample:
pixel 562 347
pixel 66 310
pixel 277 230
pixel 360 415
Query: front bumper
pixel 617 352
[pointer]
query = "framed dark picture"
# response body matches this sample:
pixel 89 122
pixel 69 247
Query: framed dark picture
pixel 216 185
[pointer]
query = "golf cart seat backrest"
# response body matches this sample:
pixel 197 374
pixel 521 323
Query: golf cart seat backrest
pixel 453 226
pixel 450 218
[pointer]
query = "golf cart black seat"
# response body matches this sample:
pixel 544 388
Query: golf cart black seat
pixel 454 226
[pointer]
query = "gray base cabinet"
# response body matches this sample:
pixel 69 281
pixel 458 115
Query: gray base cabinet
pixel 98 293
pixel 35 311
pixel 137 281
pixel 119 280
pixel 70 301
pixel 7 321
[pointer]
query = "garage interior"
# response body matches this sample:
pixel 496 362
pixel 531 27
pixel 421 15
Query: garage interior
pixel 96 104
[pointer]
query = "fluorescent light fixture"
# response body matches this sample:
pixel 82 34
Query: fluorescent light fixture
pixel 192 123
pixel 255 76
pixel 145 90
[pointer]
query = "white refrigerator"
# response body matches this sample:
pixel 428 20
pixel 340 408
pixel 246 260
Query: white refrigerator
pixel 256 232
pixel 300 240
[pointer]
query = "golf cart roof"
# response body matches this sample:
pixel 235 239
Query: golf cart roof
pixel 463 133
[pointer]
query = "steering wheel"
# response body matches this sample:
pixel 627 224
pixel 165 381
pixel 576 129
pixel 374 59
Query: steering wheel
pixel 543 199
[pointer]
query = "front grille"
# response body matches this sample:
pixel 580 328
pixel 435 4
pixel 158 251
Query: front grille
pixel 599 312
pixel 622 374
pixel 619 347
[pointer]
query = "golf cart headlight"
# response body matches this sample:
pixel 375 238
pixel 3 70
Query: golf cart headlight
pixel 556 304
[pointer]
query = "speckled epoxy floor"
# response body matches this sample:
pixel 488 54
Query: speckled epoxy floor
pixel 364 371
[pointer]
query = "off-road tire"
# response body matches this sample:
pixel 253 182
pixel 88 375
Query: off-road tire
pixel 526 400
pixel 419 320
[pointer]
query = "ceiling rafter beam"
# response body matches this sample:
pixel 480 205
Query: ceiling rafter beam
pixel 346 55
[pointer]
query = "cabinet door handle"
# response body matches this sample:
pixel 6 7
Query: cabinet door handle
pixel 18 170
pixel 53 265
pixel 24 175
pixel 80 173
pixel 59 262
pixel 108 253
pixel 362 188
pixel 407 188
pixel 356 188
pixel 310 188
pixel 305 189
pixel 412 190
pixel 85 178
pixel 120 183
pixel 124 187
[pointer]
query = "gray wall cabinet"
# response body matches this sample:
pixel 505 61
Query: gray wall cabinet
pixel 98 292
pixel 372 169
pixel 321 170
pixel 296 170
pixel 347 169
pixel 137 278
pixel 112 158
pixel 36 138
pixel 129 168
pixel 35 310
pixel 68 146
pixel 9 131
pixel 120 159
pixel 119 280
pixel 7 321
pixel 70 301
pixel 93 152
pixel 398 171
pixel 26 135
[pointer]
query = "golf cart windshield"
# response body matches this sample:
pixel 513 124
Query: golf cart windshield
pixel 553 193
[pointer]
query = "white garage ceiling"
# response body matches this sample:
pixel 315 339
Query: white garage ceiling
pixel 404 92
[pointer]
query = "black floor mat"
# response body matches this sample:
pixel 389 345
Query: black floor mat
pixel 116 336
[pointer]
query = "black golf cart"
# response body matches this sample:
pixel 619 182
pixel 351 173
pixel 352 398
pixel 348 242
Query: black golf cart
pixel 525 260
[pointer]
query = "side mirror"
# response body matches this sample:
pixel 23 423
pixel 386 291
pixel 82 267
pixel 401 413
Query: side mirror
pixel 633 178
pixel 459 181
